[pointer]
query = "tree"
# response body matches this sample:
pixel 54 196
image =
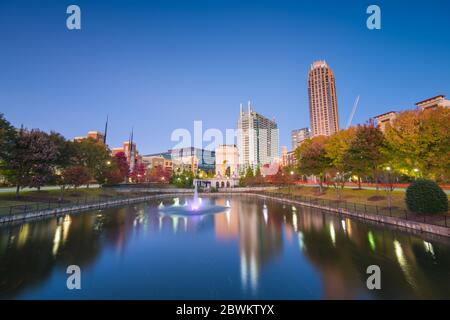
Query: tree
pixel 94 156
pixel 182 179
pixel 425 196
pixel 122 164
pixel 138 173
pixel 249 172
pixel 335 150
pixel 420 141
pixel 258 171
pixel 76 176
pixel 7 140
pixel 158 174
pixel 30 160
pixel 364 154
pixel 64 158
pixel 312 158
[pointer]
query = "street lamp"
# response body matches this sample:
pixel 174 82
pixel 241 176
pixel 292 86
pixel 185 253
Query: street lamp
pixel 108 163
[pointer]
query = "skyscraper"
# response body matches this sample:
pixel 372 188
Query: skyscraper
pixel 298 136
pixel 257 139
pixel 323 109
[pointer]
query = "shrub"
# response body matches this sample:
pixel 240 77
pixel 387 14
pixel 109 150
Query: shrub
pixel 425 196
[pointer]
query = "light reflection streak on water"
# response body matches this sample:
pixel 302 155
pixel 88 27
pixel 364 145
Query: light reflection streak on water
pixel 332 233
pixel 429 248
pixel 403 263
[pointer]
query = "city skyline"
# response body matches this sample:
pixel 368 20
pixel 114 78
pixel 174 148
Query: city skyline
pixel 173 61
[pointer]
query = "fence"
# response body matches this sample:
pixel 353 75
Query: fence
pixel 442 220
pixel 45 208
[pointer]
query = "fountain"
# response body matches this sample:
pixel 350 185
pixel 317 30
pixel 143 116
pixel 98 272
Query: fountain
pixel 195 207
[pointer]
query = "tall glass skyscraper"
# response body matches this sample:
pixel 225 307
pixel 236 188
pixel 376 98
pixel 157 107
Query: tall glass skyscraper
pixel 258 139
pixel 323 108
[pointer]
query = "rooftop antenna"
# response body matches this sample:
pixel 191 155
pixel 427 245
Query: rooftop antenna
pixel 355 105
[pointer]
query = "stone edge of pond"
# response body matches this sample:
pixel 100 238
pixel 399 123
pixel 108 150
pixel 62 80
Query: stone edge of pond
pixel 406 224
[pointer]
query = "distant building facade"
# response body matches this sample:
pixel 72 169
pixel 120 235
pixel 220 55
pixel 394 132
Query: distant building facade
pixel 433 102
pixel 298 136
pixel 428 104
pixel 94 135
pixel 162 160
pixel 196 158
pixel 288 158
pixel 257 138
pixel 227 160
pixel 131 153
pixel 383 119
pixel 323 106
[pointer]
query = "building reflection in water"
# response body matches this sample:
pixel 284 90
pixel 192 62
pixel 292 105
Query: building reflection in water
pixel 336 248
pixel 258 234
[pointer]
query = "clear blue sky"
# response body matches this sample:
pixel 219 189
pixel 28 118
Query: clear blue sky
pixel 160 65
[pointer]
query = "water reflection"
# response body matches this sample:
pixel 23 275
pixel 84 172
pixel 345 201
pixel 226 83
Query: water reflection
pixel 254 249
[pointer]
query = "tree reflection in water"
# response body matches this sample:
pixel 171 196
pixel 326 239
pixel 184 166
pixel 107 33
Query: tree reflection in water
pixel 254 249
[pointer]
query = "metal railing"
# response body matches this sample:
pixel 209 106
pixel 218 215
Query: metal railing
pixel 33 207
pixel 442 220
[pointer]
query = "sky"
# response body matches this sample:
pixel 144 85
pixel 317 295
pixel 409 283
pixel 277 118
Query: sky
pixel 157 66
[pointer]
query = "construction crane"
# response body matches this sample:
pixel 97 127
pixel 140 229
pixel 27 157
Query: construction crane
pixel 355 105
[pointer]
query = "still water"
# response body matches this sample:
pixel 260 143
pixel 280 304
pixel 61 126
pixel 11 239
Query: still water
pixel 253 250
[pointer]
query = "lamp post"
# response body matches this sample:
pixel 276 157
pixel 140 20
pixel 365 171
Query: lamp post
pixel 389 187
pixel 416 172
pixel 290 182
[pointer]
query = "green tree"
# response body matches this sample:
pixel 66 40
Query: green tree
pixel 7 139
pixel 425 196
pixel 335 150
pixel 312 159
pixel 249 172
pixel 364 155
pixel 94 156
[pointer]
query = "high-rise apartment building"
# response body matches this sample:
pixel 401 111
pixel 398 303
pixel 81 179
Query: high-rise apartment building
pixel 257 137
pixel 298 136
pixel 323 108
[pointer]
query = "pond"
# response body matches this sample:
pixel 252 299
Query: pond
pixel 252 249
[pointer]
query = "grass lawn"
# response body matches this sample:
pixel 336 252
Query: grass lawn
pixel 53 196
pixel 363 196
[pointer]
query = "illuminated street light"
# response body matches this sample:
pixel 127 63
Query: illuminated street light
pixel 388 168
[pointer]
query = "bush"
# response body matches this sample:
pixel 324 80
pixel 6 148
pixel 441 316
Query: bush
pixel 425 196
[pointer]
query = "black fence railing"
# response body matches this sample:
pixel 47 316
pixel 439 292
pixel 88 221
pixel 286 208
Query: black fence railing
pixel 73 204
pixel 353 207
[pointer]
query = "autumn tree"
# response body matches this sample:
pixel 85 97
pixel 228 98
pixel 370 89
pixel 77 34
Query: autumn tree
pixel 121 162
pixel 420 140
pixel 94 156
pixel 364 155
pixel 312 159
pixel 29 161
pixel 76 176
pixel 335 150
pixel 138 173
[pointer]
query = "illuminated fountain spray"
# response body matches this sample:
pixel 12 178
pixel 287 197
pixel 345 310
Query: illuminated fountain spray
pixel 195 202
pixel 194 207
